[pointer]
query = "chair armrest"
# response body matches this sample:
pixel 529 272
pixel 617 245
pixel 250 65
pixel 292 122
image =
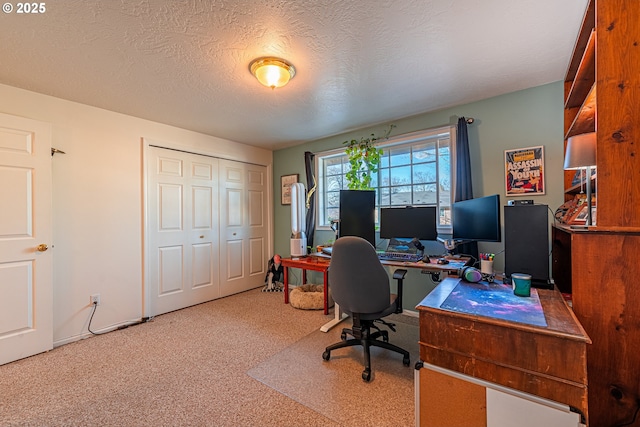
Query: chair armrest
pixel 398 275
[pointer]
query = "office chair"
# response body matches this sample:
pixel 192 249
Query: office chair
pixel 360 286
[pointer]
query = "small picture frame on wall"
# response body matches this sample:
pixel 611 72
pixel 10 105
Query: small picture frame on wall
pixel 285 184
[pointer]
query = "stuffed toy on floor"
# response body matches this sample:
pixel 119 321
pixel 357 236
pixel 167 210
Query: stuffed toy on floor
pixel 273 279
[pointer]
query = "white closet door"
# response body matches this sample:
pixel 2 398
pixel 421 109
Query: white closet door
pixel 26 291
pixel 182 191
pixel 243 226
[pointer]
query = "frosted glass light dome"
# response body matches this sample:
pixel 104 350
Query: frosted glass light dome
pixel 272 72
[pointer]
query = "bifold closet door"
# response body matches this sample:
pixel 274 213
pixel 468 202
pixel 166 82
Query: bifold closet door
pixel 182 191
pixel 243 226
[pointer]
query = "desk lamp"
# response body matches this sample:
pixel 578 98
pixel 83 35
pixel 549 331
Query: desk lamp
pixel 581 153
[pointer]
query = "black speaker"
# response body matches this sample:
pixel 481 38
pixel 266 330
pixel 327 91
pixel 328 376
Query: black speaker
pixel 358 214
pixel 526 242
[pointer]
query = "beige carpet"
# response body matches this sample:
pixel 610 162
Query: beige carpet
pixel 335 388
pixel 190 368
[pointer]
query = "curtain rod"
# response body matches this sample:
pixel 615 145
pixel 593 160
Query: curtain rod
pixel 470 120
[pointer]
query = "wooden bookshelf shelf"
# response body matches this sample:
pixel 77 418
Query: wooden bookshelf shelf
pixel 585 120
pixel 585 78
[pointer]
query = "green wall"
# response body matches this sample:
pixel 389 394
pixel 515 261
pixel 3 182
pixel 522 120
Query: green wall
pixel 530 117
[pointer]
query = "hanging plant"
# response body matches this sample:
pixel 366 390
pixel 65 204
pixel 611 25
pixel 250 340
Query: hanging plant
pixel 364 159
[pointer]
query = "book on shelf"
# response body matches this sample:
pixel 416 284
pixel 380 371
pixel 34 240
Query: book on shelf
pixel 579 177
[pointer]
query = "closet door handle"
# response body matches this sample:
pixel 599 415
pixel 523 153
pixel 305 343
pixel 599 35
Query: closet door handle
pixel 42 247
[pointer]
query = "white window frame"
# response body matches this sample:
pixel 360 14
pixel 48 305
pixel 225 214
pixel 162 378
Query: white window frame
pixel 409 139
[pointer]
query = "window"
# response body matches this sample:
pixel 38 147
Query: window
pixel 415 169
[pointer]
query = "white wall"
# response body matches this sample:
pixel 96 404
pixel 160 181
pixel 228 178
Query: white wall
pixel 98 204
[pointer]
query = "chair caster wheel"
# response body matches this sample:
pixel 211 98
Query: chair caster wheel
pixel 406 361
pixel 366 375
pixel 326 355
pixel 343 336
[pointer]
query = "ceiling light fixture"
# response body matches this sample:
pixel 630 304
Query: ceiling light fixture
pixel 272 72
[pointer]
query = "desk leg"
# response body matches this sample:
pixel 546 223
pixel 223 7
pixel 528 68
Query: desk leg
pixel 286 285
pixel 326 292
pixel 339 317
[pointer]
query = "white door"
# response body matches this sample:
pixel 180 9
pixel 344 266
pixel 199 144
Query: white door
pixel 183 251
pixel 243 226
pixel 26 294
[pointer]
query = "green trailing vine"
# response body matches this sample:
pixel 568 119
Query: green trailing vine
pixel 364 159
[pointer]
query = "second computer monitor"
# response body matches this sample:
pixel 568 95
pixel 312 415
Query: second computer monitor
pixel 409 222
pixel 477 219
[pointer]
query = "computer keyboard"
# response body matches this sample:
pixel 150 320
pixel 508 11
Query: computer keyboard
pixel 399 256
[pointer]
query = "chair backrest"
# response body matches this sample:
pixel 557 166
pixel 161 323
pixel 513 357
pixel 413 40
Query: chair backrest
pixel 359 283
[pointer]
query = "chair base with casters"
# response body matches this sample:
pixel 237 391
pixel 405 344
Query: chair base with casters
pixel 362 335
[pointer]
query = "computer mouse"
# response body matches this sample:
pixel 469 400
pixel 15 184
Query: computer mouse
pixel 443 261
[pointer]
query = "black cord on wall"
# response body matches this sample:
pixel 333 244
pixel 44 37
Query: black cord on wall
pixel 95 307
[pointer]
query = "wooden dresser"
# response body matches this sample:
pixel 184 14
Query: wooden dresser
pixel 546 360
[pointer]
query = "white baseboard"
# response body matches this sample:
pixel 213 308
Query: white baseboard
pixel 410 313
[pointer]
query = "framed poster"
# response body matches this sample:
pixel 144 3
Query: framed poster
pixel 285 184
pixel 524 171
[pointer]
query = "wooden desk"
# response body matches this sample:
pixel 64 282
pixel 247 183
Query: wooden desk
pixel 546 361
pixel 307 263
pixel 319 262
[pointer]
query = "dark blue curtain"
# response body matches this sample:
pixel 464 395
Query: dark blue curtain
pixel 464 181
pixel 311 198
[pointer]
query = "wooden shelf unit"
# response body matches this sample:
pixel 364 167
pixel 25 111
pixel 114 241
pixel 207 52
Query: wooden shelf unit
pixel 602 259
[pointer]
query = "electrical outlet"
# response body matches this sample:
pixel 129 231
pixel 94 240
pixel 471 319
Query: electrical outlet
pixel 95 299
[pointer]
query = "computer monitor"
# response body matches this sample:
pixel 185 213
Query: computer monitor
pixel 477 219
pixel 358 214
pixel 409 222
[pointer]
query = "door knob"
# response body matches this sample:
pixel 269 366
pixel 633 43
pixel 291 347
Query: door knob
pixel 42 247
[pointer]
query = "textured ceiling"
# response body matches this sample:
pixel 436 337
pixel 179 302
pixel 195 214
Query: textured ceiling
pixel 358 62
